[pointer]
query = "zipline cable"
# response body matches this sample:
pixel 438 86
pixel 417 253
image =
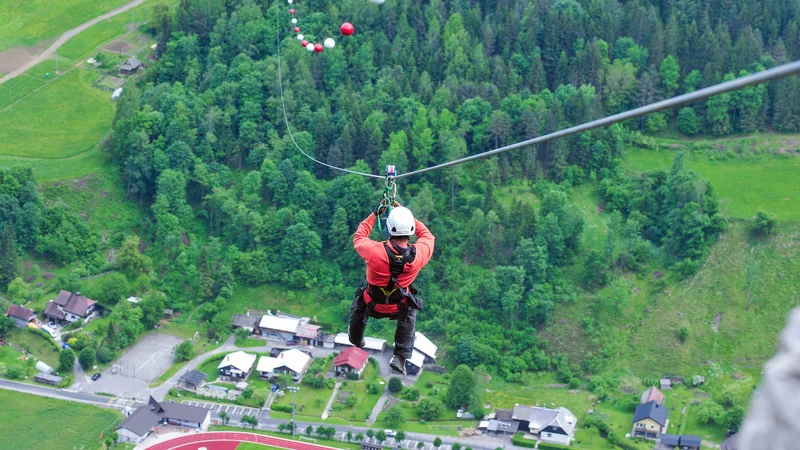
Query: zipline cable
pixel 283 103
pixel 782 71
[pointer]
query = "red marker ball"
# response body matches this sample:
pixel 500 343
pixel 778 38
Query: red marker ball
pixel 304 43
pixel 291 11
pixel 318 48
pixel 347 29
pixel 296 29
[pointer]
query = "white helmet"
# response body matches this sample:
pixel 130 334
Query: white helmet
pixel 400 222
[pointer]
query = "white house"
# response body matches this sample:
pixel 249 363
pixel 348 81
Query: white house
pixel 138 426
pixel 237 365
pixel 425 346
pixel 549 425
pixel 293 362
pixel 281 327
pixel 69 307
pixel 414 365
pixel 373 344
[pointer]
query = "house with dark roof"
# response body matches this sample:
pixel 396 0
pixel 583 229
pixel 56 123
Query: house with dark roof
pixel 69 307
pixel 669 442
pixel 556 426
pixel 351 360
pixel 20 315
pixel 689 442
pixel 130 66
pixel 192 379
pixel 136 427
pixel 650 420
pixel 246 321
pixel 732 443
pixel 653 394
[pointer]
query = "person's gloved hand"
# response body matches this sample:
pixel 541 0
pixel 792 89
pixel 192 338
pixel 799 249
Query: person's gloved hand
pixel 380 208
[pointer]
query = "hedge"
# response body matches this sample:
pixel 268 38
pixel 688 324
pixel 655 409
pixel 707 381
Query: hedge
pixel 518 440
pixel 282 408
pixel 548 446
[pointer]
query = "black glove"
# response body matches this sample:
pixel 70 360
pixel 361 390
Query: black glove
pixel 380 208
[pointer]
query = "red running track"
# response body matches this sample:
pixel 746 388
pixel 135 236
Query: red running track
pixel 229 440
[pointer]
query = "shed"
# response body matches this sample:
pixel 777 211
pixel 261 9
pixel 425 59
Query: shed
pixel 671 440
pixel 45 378
pixel 666 384
pixel 192 379
pixel 689 442
pixel 41 366
pixel 131 65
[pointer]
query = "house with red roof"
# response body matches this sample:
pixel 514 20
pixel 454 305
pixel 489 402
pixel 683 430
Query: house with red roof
pixel 351 360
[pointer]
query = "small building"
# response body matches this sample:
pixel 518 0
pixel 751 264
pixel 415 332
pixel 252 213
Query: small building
pixel 414 365
pixel 46 378
pixel 114 97
pixel 167 313
pixel 689 442
pixel 669 441
pixel 42 367
pixel 425 346
pixel 328 341
pixel 138 426
pixel 20 315
pixel 192 379
pixel 372 344
pixel 555 426
pixel 650 420
pixel 281 326
pixel 308 334
pixel 652 394
pixel 130 66
pixel 666 384
pixel 69 307
pixel 502 422
pixel 237 365
pixel 294 362
pixel 246 321
pixel 732 443
pixel 351 360
pixel 133 300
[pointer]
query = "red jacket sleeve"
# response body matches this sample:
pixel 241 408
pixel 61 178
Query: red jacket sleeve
pixel 424 245
pixel 366 247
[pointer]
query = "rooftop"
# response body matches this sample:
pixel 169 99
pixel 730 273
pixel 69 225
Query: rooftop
pixel 540 418
pixel 652 394
pixel 670 439
pixel 53 311
pixel 278 323
pixel 244 320
pixel 193 377
pixel 691 441
pixel 20 312
pixel 239 360
pixel 651 410
pixel 372 343
pixel 417 359
pixel 424 345
pixel 308 331
pixel 147 416
pixel 351 356
pixel 294 360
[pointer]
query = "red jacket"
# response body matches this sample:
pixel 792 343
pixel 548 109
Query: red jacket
pixel 374 254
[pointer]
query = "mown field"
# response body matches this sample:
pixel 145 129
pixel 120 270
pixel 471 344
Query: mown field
pixel 32 21
pixel 39 422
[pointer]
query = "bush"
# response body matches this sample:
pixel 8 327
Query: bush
pixel 105 355
pixel 282 408
pixel 764 223
pixel 520 442
pixel 683 334
pixel 184 351
pixel 351 376
pixel 411 394
pixel 14 371
pixel 430 408
pixel 395 385
pixel 574 383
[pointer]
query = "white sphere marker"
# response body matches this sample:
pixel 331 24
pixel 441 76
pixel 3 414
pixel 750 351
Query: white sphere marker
pixel 310 47
pixel 300 37
pixel 329 43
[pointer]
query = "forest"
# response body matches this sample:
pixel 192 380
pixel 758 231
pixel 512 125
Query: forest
pixel 201 145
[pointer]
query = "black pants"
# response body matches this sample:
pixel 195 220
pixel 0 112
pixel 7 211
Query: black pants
pixel 403 335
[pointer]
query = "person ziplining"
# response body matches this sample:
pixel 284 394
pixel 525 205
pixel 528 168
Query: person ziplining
pixel 392 267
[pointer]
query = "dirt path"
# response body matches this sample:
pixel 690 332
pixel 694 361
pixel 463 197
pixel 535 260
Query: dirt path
pixel 66 37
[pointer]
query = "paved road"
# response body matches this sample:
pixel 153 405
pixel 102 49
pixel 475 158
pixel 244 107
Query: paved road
pixel 97 400
pixel 66 37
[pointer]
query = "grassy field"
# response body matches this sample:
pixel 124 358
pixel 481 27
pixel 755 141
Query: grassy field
pixel 36 344
pixel 366 402
pixel 29 22
pixel 34 420
pixel 249 343
pixel 65 118
pixel 745 186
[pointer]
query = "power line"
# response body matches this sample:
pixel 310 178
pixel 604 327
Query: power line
pixel 783 71
pixel 283 104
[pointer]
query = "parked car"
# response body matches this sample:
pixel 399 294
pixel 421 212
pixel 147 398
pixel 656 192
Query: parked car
pixel 64 346
pixel 96 376
pixel 389 433
pixel 50 331
pixel 291 343
pixel 52 324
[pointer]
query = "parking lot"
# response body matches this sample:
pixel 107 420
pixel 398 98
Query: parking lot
pixel 233 411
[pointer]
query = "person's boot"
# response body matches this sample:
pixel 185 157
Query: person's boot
pixel 398 363
pixel 360 344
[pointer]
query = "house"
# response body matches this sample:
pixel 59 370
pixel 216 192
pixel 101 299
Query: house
pixel 328 341
pixel 46 378
pixel 130 66
pixel 236 365
pixel 281 326
pixel 425 346
pixel 136 427
pixel 688 442
pixel 293 362
pixel 372 344
pixel 69 307
pixel 650 420
pixel 556 426
pixel 308 334
pixel 732 443
pixel 192 379
pixel 501 422
pixel 666 384
pixel 653 394
pixel 20 315
pixel 246 321
pixel 414 365
pixel 351 360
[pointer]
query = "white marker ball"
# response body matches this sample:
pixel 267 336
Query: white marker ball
pixel 300 37
pixel 310 47
pixel 294 20
pixel 377 2
pixel 290 1
pixel 329 43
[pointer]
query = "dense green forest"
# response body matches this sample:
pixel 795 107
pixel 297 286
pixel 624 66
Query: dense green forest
pixel 202 146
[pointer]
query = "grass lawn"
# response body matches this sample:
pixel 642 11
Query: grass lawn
pixel 29 22
pixel 249 342
pixel 210 367
pixel 310 402
pixel 36 344
pixel 34 418
pixel 745 186
pixel 53 123
pixel 366 401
